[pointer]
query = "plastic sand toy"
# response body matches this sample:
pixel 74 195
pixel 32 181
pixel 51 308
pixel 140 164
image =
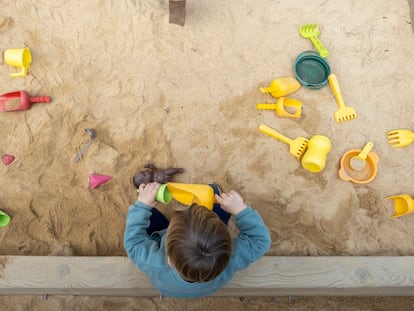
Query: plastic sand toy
pixel 188 194
pixel 282 87
pixel 312 32
pixel 358 162
pixel 297 146
pixel 311 70
pixel 7 159
pixel 20 100
pixel 95 180
pixel 281 105
pixel 314 159
pixel 403 205
pixel 19 58
pixel 363 176
pixel 92 135
pixel 4 219
pixel 344 113
pixel 400 138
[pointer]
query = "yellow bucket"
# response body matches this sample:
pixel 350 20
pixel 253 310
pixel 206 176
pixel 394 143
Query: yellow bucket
pixel 20 58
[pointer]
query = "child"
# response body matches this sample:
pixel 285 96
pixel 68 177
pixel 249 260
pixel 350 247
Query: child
pixel 192 255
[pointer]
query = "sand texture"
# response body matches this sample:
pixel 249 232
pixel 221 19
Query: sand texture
pixel 159 93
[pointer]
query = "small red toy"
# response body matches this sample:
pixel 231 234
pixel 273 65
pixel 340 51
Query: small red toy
pixel 20 100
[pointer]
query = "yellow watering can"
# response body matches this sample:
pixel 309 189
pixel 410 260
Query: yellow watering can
pixel 188 194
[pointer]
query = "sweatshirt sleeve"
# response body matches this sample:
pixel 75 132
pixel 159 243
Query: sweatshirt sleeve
pixel 137 242
pixel 253 240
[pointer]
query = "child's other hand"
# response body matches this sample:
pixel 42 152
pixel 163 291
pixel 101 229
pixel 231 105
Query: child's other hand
pixel 147 193
pixel 231 202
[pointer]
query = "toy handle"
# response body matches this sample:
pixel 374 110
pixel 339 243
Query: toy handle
pixel 343 175
pixel 22 73
pixel 333 82
pixel 79 155
pixel 367 148
pixel 272 133
pixel 266 106
pixel 266 89
pixel 319 46
pixel 39 99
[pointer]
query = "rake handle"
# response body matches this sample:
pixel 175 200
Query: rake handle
pixel 272 133
pixel 333 82
pixel 323 52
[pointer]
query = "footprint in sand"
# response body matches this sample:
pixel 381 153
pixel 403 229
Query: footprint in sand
pixel 5 23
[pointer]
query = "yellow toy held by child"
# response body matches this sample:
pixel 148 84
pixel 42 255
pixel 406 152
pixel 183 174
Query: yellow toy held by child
pixel 186 194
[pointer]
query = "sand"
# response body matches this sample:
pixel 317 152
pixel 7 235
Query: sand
pixel 186 96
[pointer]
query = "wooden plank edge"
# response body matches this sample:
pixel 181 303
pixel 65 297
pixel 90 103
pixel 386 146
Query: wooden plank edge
pixel 270 276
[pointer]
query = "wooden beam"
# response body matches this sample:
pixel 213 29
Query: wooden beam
pixel 270 276
pixel 177 12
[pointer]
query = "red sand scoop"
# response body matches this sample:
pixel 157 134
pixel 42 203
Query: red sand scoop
pixel 20 100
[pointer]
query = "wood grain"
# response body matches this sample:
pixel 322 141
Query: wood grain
pixel 270 276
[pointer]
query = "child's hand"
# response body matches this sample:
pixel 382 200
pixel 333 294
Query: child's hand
pixel 147 193
pixel 231 202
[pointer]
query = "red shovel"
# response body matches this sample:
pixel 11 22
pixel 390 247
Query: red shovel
pixel 20 100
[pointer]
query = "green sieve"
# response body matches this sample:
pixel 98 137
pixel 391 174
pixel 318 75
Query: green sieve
pixel 311 70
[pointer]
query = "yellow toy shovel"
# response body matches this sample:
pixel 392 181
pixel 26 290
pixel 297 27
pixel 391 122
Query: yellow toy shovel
pixel 358 162
pixel 280 105
pixel 188 194
pixel 403 205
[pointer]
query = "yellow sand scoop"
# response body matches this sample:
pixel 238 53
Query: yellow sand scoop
pixel 298 145
pixel 403 205
pixel 343 113
pixel 281 104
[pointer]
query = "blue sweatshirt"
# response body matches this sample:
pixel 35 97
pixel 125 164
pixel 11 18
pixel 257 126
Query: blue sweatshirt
pixel 149 255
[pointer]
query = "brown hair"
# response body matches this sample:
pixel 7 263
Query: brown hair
pixel 198 244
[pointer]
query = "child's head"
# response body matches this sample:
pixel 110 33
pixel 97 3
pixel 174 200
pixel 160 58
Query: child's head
pixel 198 244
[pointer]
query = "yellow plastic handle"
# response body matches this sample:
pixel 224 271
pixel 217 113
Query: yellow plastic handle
pixel 265 106
pixel 367 148
pixel 333 82
pixel 272 133
pixel 21 73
